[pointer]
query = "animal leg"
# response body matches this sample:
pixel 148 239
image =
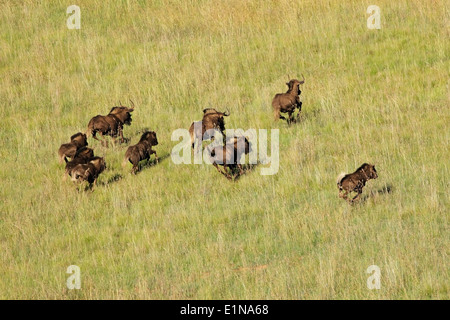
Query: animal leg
pixel 291 117
pixel 229 176
pixel 299 107
pixel 94 135
pixel 224 173
pixel 156 156
pixel 93 185
pixel 241 172
pixel 199 146
pixel 343 196
pixel 103 141
pixel 121 134
pixel 355 198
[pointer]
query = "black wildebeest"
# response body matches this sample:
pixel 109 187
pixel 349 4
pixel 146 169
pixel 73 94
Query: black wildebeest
pixel 212 120
pixel 355 181
pixel 83 156
pixel 89 171
pixel 230 154
pixel 68 150
pixel 111 124
pixel 288 102
pixel 142 150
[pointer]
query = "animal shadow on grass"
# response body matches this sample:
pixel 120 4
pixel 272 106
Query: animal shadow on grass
pixel 387 189
pixel 247 168
pixel 151 163
pixel 114 178
pixel 83 187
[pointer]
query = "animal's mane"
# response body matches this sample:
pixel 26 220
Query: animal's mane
pixel 291 86
pixel 362 166
pixel 144 136
pixel 96 158
pixel 76 135
pixel 209 111
pixel 116 107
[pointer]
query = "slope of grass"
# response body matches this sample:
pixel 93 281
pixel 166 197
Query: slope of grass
pixel 184 231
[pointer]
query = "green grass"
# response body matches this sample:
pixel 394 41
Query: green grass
pixel 184 231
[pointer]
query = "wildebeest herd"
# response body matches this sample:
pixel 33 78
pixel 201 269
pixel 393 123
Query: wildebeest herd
pixel 84 166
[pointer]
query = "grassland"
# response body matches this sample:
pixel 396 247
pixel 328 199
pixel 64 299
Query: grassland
pixel 184 231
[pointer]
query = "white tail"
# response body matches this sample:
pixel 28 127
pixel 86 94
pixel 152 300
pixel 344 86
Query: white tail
pixel 340 177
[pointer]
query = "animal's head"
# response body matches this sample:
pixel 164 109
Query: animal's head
pixel 99 163
pixel 214 119
pixel 369 170
pixel 79 139
pixel 294 84
pixel 123 113
pixel 150 136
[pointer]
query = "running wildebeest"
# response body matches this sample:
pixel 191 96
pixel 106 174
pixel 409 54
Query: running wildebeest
pixel 111 124
pixel 142 150
pixel 212 120
pixel 288 102
pixel 68 150
pixel 354 182
pixel 230 154
pixel 83 156
pixel 89 171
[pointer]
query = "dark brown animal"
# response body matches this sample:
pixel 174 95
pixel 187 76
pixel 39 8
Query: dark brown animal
pixel 142 150
pixel 68 150
pixel 212 120
pixel 288 102
pixel 111 124
pixel 89 171
pixel 354 182
pixel 230 154
pixel 83 156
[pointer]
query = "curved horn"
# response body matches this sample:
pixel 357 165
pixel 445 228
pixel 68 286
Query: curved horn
pixel 226 114
pixel 303 81
pixel 289 78
pixel 120 103
pixel 132 103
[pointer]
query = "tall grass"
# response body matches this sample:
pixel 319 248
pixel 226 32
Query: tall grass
pixel 184 231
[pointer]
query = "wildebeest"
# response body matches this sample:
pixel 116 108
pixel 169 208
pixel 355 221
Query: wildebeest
pixel 142 150
pixel 89 171
pixel 83 156
pixel 111 124
pixel 355 181
pixel 212 120
pixel 230 154
pixel 68 150
pixel 288 102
